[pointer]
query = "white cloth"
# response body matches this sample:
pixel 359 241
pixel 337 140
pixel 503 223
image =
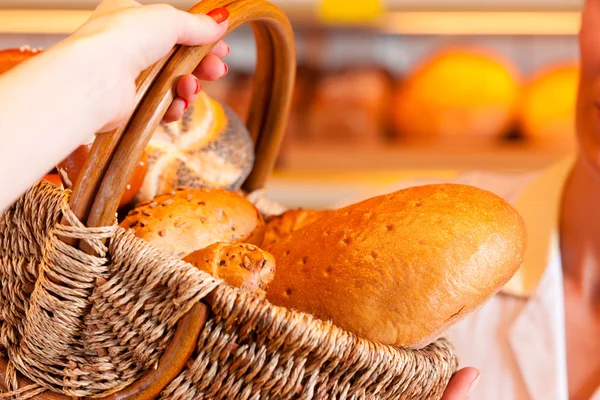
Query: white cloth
pixel 517 339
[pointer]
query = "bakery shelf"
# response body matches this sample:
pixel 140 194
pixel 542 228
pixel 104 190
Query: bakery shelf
pixel 503 156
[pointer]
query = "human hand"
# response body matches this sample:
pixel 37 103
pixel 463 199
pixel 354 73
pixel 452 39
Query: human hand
pixel 131 37
pixel 461 384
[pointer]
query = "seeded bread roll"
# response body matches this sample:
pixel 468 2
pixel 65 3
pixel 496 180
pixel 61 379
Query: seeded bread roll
pixel 192 219
pixel 208 147
pixel 241 265
pixel 279 226
pixel 402 268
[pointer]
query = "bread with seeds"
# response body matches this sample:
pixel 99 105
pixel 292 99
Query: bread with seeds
pixel 400 269
pixel 191 219
pixel 241 265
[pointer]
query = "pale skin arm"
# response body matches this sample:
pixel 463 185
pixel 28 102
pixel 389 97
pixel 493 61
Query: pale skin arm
pixel 55 101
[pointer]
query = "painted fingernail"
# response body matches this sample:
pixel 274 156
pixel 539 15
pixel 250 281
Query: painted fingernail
pixel 219 14
pixel 228 49
pixel 226 69
pixel 187 105
pixel 197 90
pixel 473 384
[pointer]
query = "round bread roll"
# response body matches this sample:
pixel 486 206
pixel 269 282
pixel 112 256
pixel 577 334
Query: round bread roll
pixel 350 105
pixel 241 265
pixel 192 219
pixel 10 58
pixel 467 94
pixel 280 226
pixel 70 168
pixel 542 119
pixel 208 147
pixel 402 268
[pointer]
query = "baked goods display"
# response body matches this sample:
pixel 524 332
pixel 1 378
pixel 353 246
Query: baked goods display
pixel 241 265
pixel 282 225
pixel 457 94
pixel 187 220
pixel 209 147
pixel 541 119
pixel 400 269
pixel 349 105
pixel 70 167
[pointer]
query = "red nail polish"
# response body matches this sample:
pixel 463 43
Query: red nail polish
pixel 219 14
pixel 197 90
pixel 226 69
pixel 187 105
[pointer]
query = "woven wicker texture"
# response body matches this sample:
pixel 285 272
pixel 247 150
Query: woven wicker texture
pixel 88 325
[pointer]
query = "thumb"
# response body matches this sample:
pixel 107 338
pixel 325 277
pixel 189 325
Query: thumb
pixel 461 384
pixel 198 29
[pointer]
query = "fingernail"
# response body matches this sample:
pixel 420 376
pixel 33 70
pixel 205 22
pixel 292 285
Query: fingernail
pixel 219 14
pixel 226 69
pixel 228 49
pixel 187 105
pixel 197 90
pixel 473 384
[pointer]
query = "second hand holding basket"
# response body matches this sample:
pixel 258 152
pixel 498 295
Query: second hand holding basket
pixel 243 347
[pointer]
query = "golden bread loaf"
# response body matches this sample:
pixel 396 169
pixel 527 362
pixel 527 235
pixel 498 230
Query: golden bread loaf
pixel 279 226
pixel 241 265
pixel 400 269
pixel 192 219
pixel 468 94
pixel 208 147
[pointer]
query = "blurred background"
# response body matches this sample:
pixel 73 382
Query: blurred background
pixel 392 90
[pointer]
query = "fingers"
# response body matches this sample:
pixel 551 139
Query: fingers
pixel 211 68
pixel 461 384
pixel 188 88
pixel 221 49
pixel 176 110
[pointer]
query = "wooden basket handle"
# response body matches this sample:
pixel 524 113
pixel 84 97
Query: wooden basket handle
pixel 114 155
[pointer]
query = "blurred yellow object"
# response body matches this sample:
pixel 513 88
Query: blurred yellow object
pixel 350 11
pixel 548 104
pixel 457 94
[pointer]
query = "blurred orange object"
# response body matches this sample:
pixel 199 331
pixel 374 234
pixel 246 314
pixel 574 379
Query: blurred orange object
pixel 10 58
pixel 53 178
pixel 547 108
pixel 462 94
pixel 350 106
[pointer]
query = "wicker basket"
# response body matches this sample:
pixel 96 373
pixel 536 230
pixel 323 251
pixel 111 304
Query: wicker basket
pixel 87 310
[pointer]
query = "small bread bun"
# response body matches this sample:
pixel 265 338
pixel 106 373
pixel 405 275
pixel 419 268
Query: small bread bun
pixel 400 269
pixel 209 147
pixel 10 58
pixel 280 226
pixel 192 219
pixel 241 265
pixel 70 168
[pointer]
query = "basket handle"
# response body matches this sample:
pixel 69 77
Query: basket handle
pixel 113 156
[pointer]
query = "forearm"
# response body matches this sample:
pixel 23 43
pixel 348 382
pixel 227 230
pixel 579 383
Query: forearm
pixel 51 104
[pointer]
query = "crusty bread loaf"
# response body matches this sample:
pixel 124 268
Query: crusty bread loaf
pixel 241 265
pixel 192 219
pixel 280 226
pixel 208 147
pixel 400 269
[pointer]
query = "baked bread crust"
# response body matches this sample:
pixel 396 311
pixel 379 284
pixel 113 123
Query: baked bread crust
pixel 241 265
pixel 192 219
pixel 400 269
